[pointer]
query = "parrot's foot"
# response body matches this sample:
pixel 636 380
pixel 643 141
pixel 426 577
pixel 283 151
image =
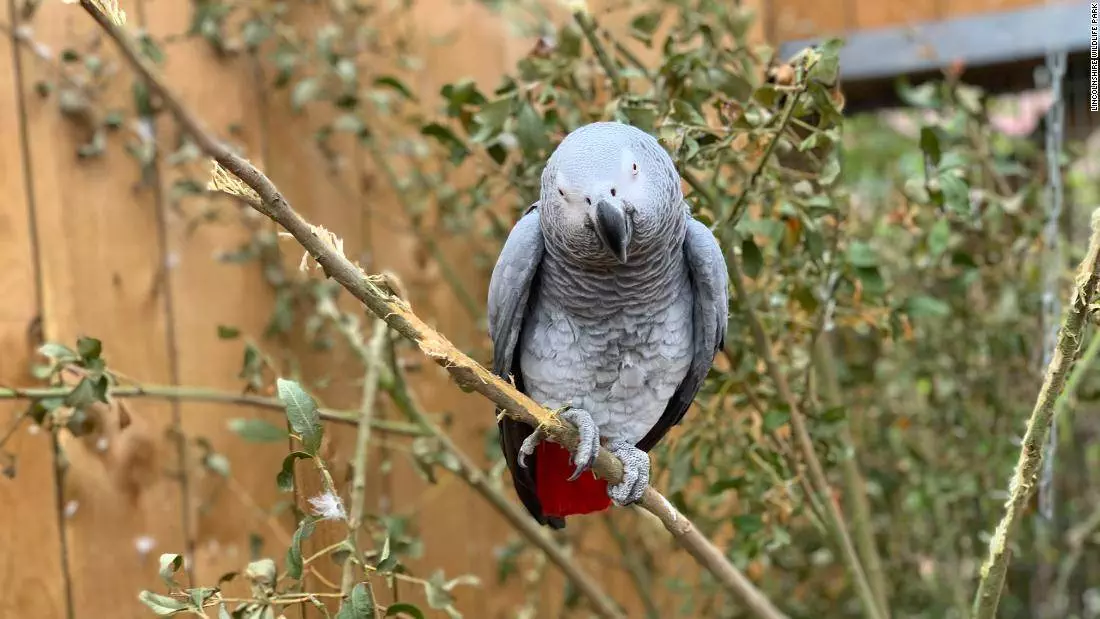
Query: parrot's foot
pixel 635 472
pixel 587 449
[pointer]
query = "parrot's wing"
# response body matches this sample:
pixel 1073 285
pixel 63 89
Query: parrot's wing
pixel 710 313
pixel 510 289
pixel 509 295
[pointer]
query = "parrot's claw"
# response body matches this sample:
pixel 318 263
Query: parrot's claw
pixel 635 472
pixel 588 447
pixel 528 446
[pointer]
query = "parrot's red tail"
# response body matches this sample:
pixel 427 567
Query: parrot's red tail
pixel 558 495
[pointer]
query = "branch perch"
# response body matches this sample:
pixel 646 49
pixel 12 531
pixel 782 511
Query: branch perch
pixel 1022 486
pixel 200 394
pixel 463 370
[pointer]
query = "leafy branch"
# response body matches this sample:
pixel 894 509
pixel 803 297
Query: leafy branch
pixel 323 247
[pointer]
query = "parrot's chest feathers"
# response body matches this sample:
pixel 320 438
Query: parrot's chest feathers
pixel 621 361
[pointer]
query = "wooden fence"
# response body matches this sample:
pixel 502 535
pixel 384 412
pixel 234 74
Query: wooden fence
pixel 94 247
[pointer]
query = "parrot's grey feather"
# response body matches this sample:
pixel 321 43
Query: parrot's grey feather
pixel 509 295
pixel 608 298
pixel 510 287
pixel 710 315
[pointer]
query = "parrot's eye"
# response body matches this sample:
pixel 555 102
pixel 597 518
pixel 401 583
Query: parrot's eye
pixel 612 192
pixel 634 168
pixel 560 192
pixel 588 201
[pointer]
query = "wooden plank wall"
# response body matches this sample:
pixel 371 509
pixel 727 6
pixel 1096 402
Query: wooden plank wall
pixel 789 20
pixel 95 247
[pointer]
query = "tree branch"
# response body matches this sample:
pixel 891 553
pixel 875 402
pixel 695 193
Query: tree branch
pixel 199 394
pixel 362 444
pixel 469 374
pixel 742 200
pixel 588 26
pixel 818 481
pixel 854 484
pixel 1030 461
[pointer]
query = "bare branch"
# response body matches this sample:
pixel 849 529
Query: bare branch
pixel 200 394
pixel 1023 482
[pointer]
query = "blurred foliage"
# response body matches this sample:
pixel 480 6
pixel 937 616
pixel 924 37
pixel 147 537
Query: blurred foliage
pixel 909 241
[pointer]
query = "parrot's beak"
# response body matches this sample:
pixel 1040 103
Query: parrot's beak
pixel 614 229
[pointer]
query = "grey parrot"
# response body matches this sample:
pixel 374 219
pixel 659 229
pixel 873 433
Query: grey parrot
pixel 608 300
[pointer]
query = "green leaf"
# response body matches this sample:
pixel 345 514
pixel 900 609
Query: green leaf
pixel 461 94
pixel 643 26
pixel 169 565
pixel 643 117
pixel 88 391
pixel 747 524
pixel 386 560
pixel 956 195
pixel 359 605
pixel 530 131
pixel 40 408
pixel 447 138
pixel 930 144
pixel 304 92
pixel 860 254
pixel 150 49
pixel 257 430
pixel 89 348
pixel 285 479
pixel 722 485
pixel 227 332
pixel 938 237
pixel 56 351
pixel 162 605
pixel 922 305
pixel 301 412
pixel 775 419
pixel 404 609
pixel 751 258
pixel 294 564
pixel 830 171
pixel 392 82
pixel 349 123
pixel 199 595
pixel 436 592
pixel 828 63
pixel 834 414
pixel 490 119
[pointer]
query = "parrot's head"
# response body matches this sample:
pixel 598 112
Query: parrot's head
pixel 610 194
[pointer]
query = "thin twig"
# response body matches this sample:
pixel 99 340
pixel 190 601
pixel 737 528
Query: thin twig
pixel 1030 461
pixel 199 394
pixel 373 354
pixel 858 503
pixel 584 20
pixel 742 200
pixel 466 372
pixel 818 481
